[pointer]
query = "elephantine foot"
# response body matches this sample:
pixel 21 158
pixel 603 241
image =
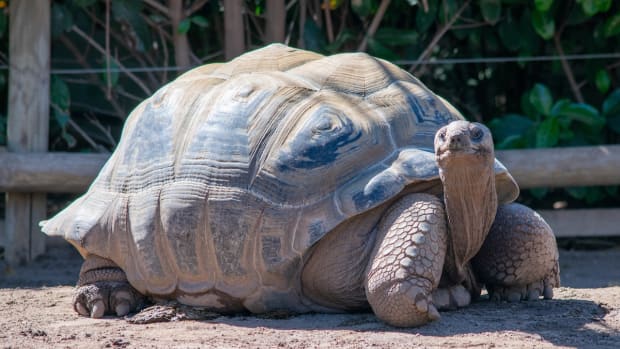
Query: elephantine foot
pixel 106 298
pixel 529 292
pixel 407 261
pixel 103 289
pixel 519 258
pixel 451 298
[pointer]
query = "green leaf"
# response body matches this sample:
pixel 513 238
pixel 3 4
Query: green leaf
pixel 508 31
pixel 114 73
pixel 62 19
pixel 61 117
pixel 379 50
pixel 603 5
pixel 71 141
pixel 84 3
pixel 602 81
pixel 314 39
pixel 611 105
pixel 200 21
pixel 548 133
pixel 396 37
pixel 491 10
pixel 447 10
pixel 539 193
pixel 581 112
pixel 129 12
pixel 423 20
pixel 594 194
pixel 509 125
pixel 611 27
pixel 544 24
pixel 541 99
pixel 60 94
pixel 184 26
pixel 362 8
pixel 578 193
pixel 543 5
pixel 589 7
pixel 614 124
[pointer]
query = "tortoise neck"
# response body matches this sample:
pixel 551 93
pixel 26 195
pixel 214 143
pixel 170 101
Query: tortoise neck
pixel 471 203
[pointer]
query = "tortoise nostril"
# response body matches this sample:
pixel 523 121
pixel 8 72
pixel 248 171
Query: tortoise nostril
pixel 456 141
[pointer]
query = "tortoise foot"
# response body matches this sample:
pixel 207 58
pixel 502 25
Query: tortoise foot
pixel 528 292
pixel 103 289
pixel 106 298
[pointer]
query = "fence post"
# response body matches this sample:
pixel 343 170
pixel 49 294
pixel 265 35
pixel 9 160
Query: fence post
pixel 28 120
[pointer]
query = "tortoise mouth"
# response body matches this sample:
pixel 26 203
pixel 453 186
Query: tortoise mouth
pixel 446 154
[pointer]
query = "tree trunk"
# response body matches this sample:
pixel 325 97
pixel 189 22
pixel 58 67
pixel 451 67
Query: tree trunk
pixel 234 44
pixel 276 20
pixel 179 40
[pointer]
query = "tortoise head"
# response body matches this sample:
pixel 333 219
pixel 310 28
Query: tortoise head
pixel 465 158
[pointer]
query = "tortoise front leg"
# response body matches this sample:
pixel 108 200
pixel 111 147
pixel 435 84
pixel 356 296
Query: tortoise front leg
pixel 102 289
pixel 407 261
pixel 519 258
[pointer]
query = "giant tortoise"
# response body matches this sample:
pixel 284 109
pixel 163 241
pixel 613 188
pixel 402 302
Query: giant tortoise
pixel 285 180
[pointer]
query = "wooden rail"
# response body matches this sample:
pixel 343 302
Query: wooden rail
pixel 557 167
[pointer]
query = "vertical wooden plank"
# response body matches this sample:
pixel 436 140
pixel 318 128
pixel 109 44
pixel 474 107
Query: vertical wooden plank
pixel 28 120
pixel 275 16
pixel 234 37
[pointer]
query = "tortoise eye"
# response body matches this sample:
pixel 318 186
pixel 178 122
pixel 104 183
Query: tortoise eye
pixel 476 134
pixel 442 135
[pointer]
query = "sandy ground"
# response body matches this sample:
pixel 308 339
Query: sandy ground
pixel 35 312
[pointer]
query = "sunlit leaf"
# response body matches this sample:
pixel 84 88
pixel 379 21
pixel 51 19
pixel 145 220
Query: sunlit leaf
pixel 543 5
pixel 611 27
pixel 544 24
pixel 541 99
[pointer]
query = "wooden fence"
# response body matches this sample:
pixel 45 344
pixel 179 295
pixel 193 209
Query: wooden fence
pixel 28 172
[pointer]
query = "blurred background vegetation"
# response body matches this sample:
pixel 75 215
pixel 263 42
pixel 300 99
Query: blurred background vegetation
pixel 540 73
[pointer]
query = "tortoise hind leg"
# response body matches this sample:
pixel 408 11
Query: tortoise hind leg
pixel 407 261
pixel 519 258
pixel 103 288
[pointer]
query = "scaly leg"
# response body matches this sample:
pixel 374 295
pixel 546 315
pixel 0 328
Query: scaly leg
pixel 519 258
pixel 103 289
pixel 407 261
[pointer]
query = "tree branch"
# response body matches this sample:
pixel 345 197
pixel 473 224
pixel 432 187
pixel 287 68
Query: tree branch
pixel 374 25
pixel 159 7
pixel 440 33
pixel 567 69
pixel 94 44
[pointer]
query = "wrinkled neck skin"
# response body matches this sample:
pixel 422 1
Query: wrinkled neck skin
pixel 471 203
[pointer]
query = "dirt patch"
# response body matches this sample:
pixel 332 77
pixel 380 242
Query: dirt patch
pixel 36 313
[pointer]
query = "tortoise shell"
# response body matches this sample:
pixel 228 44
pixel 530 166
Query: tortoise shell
pixel 225 177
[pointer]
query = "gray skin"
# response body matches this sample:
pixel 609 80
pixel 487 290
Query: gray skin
pixel 406 268
pixel 285 180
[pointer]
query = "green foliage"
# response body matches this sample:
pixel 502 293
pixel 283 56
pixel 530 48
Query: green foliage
pixel 526 103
